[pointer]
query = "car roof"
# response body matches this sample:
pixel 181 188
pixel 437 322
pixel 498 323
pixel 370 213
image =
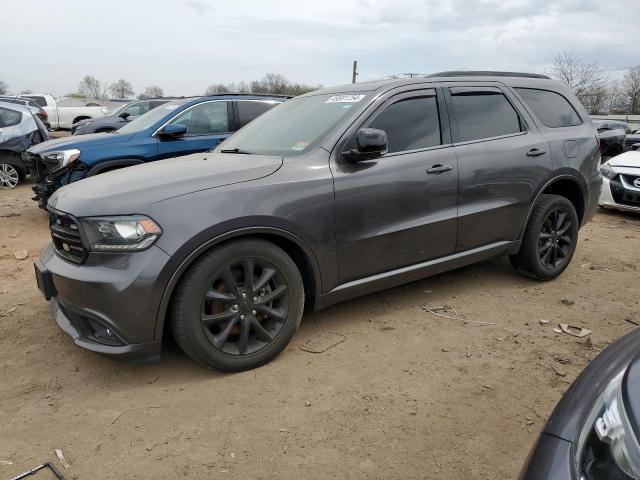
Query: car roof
pixel 515 79
pixel 15 106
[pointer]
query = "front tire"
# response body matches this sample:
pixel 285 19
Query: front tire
pixel 10 176
pixel 549 240
pixel 238 306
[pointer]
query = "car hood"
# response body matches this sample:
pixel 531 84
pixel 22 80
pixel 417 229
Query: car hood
pixel 627 159
pixel 108 120
pixel 129 190
pixel 79 142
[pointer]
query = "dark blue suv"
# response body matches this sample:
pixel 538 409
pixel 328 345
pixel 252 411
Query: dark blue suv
pixel 179 127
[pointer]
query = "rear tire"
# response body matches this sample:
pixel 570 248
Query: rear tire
pixel 238 306
pixel 549 240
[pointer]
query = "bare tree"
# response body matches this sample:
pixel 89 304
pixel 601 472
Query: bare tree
pixel 90 87
pixel 631 90
pixel 271 83
pixel 216 89
pixel 585 79
pixel 121 89
pixel 152 91
pixel 4 88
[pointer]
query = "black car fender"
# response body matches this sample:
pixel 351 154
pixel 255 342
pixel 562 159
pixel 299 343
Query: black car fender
pixel 113 165
pixel 14 159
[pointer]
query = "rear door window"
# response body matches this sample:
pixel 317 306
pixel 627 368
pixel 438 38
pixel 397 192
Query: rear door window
pixel 9 118
pixel 250 110
pixel 410 124
pixel 551 108
pixel 483 113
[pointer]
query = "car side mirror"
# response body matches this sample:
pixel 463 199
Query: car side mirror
pixel 173 130
pixel 370 143
pixel 124 115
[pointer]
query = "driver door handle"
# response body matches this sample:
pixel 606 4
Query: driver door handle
pixel 438 168
pixel 535 152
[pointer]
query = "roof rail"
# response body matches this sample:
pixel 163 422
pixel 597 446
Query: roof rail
pixel 248 94
pixel 487 73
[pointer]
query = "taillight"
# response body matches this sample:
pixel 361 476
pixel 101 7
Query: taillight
pixel 44 114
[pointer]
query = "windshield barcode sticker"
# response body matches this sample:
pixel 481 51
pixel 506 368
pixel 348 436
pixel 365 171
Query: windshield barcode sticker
pixel 345 98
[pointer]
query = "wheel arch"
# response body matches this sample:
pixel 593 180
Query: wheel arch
pixel 294 246
pixel 81 117
pixel 565 185
pixel 113 164
pixel 14 159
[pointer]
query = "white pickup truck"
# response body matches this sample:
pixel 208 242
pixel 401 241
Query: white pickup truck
pixel 63 117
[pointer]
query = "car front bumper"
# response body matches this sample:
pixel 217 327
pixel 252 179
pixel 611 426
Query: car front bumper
pixel 108 305
pixel 550 459
pixel 607 199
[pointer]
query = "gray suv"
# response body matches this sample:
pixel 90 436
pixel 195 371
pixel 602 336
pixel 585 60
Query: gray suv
pixel 334 194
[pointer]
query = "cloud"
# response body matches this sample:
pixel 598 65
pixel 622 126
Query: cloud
pixel 198 6
pixel 185 49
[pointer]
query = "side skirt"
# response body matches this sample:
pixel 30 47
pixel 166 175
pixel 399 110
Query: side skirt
pixel 393 278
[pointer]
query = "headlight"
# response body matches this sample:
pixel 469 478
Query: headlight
pixel 607 446
pixel 121 234
pixel 63 157
pixel 607 171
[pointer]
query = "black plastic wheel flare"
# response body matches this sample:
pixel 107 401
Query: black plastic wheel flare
pixel 245 306
pixel 555 239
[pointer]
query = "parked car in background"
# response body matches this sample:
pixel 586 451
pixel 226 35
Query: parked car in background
pixel 612 137
pixel 333 194
pixel 632 140
pixel 64 117
pixel 33 106
pixel 19 129
pixel 176 128
pixel 594 431
pixel 621 182
pixel 120 117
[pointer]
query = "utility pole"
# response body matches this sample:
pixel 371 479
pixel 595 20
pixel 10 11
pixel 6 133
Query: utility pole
pixel 355 71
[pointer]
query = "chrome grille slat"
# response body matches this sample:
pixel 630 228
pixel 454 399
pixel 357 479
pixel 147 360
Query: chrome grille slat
pixel 66 237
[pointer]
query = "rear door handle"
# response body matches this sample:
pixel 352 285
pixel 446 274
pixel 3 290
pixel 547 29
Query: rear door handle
pixel 535 152
pixel 438 168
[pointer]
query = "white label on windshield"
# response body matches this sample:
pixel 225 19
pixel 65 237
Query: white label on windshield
pixel 345 98
pixel 171 107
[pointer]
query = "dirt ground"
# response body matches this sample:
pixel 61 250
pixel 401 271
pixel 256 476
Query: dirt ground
pixel 408 395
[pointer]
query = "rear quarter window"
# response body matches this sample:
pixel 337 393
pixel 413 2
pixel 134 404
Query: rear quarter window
pixel 9 118
pixel 551 108
pixel 249 110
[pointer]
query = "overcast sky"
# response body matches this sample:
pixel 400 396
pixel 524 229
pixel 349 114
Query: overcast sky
pixel 186 45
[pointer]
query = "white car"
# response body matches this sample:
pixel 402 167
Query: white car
pixel 64 117
pixel 621 182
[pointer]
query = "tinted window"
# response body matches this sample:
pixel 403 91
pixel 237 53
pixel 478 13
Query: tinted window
pixel 484 115
pixel 39 100
pixel 247 111
pixel 9 118
pixel 137 109
pixel 551 108
pixel 204 119
pixel 410 124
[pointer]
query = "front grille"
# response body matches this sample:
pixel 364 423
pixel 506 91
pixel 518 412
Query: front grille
pixel 67 240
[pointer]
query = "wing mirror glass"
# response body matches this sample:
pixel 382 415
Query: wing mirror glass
pixel 370 143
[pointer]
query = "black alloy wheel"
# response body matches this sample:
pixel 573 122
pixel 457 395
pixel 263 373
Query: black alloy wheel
pixel 238 306
pixel 549 239
pixel 555 240
pixel 245 306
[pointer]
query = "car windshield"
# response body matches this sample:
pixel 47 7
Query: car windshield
pixel 149 119
pixel 122 109
pixel 296 126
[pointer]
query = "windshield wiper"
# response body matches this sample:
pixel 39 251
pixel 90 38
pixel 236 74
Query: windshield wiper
pixel 239 151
